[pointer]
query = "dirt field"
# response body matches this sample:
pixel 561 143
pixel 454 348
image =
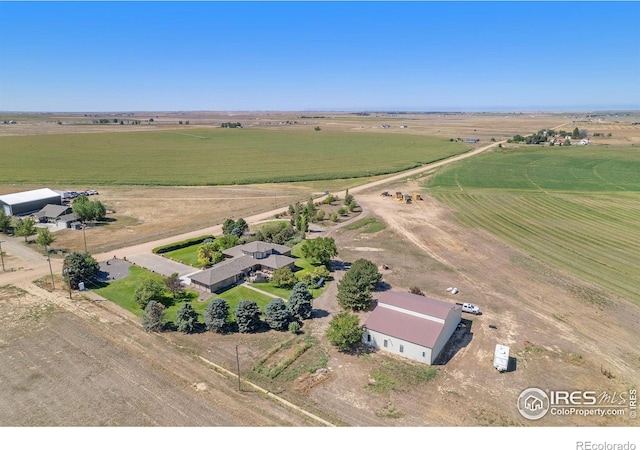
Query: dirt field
pixel 86 363
pixel 79 364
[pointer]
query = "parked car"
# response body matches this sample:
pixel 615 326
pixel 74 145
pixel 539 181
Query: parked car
pixel 471 308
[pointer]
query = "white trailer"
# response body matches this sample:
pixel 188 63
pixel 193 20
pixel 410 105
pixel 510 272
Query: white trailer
pixel 501 358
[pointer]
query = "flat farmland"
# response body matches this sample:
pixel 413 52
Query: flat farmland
pixel 208 156
pixel 576 208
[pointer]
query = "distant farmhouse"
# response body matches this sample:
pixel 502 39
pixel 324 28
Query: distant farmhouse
pixel 60 215
pixel 411 325
pixel 21 203
pixel 244 260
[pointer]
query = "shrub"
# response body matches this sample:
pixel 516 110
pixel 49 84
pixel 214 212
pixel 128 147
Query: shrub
pixel 181 244
pixel 277 315
pixel 216 314
pixel 247 316
pixel 344 330
pixel 186 318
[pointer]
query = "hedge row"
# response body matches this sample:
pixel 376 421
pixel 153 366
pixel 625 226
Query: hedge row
pixel 182 244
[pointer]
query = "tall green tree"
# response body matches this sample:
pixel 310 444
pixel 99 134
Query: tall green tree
pixel 283 277
pixel 209 254
pixel 277 315
pixel 174 285
pixel 153 317
pixel 354 289
pixel 344 330
pixel 319 250
pixel 576 133
pixel 300 301
pixel 310 209
pixel 148 289
pixel 228 226
pixel 98 210
pixel 82 208
pixel 348 198
pixel 78 267
pixel 186 318
pixel 25 228
pixel 368 271
pixel 227 241
pixel 240 227
pixel 247 315
pixel 216 315
pixel 5 221
pixel 45 238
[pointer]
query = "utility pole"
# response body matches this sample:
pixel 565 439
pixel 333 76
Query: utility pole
pixel 238 365
pixel 50 270
pixel 85 237
pixel 68 272
pixel 2 256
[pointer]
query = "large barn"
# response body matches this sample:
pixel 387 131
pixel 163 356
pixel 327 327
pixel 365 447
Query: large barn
pixel 411 326
pixel 29 201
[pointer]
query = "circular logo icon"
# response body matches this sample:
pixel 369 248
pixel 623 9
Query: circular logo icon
pixel 533 403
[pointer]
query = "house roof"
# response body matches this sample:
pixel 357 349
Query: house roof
pixel 68 217
pixel 275 261
pixel 52 211
pixel 410 317
pixel 256 247
pixel 28 196
pixel 223 270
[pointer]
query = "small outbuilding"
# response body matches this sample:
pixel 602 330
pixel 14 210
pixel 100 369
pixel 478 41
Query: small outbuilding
pixel 411 325
pixel 29 201
pixel 52 213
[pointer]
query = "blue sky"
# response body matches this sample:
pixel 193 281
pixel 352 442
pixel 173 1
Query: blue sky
pixel 224 56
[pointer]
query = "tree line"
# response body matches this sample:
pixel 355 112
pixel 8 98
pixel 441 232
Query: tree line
pixel 277 315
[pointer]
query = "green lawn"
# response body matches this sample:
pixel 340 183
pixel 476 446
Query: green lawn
pixel 368 225
pixel 121 291
pixel 205 156
pixel 187 255
pixel 282 292
pixel 577 207
pixel 236 294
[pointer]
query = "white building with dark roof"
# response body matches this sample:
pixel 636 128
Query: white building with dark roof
pixel 411 326
pixel 244 259
pixel 29 201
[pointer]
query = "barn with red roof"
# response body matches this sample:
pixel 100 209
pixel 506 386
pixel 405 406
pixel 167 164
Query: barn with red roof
pixel 411 325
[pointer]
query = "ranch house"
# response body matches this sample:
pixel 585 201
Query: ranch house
pixel 243 260
pixel 411 326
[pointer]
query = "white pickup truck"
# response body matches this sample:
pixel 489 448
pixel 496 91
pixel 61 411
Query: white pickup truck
pixel 471 308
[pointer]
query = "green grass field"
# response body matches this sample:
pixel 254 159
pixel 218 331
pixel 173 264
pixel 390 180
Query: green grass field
pixel 368 225
pixel 236 294
pixel 187 255
pixel 576 208
pixel 212 156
